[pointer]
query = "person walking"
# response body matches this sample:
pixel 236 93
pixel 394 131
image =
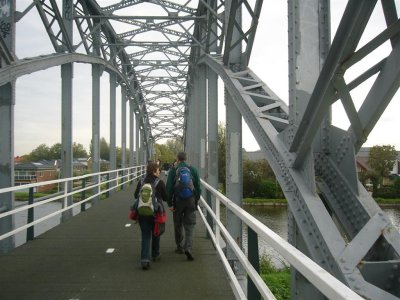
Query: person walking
pixel 146 223
pixel 183 208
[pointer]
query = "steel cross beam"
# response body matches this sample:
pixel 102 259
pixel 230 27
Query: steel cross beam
pixel 334 220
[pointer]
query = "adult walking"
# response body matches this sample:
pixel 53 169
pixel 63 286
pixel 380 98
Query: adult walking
pixel 146 223
pixel 183 206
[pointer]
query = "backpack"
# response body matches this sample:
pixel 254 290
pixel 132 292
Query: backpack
pixel 184 188
pixel 147 199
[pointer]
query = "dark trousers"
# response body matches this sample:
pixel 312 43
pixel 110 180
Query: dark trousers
pixel 146 227
pixel 184 219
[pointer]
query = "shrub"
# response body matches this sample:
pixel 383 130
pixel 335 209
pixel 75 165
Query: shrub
pixel 266 189
pixel 278 281
pixel 279 284
pixel 386 191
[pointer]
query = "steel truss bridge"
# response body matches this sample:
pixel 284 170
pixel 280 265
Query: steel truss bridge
pixel 167 57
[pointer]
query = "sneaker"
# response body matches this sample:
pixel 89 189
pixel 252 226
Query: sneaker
pixel 145 265
pixel 156 258
pixel 189 255
pixel 179 250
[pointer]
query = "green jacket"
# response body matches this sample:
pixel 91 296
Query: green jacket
pixel 171 181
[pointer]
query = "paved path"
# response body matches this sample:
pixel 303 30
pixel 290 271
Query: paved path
pixel 71 262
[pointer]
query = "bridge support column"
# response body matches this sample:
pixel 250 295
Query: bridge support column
pixel 95 128
pixel 123 130
pixel 113 128
pixel 131 133
pixel 7 102
pixel 195 142
pixel 202 120
pixel 212 176
pixel 309 41
pixel 66 133
pixel 66 112
pixel 138 147
pixel 234 189
pixel 190 143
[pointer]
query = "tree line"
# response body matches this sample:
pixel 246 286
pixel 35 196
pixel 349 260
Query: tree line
pixel 259 180
pixel 45 152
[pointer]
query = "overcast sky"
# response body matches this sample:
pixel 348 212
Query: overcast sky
pixel 38 95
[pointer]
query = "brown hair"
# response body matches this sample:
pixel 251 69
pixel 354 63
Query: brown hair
pixel 181 156
pixel 152 168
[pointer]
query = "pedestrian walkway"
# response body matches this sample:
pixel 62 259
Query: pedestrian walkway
pixel 95 255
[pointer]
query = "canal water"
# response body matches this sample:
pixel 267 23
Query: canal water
pixel 40 212
pixel 276 219
pixel 273 217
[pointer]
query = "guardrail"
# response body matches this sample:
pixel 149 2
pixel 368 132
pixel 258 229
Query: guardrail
pixel 111 179
pixel 319 277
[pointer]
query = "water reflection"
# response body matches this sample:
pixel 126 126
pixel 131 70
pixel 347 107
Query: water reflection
pixel 40 212
pixel 276 219
pixel 394 216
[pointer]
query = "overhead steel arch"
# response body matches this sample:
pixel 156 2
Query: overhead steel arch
pixel 167 58
pixel 34 64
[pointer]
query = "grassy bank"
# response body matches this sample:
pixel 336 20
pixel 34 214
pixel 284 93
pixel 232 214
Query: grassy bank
pixel 278 280
pixel 260 201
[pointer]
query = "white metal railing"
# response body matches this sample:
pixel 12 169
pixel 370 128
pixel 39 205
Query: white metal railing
pixel 116 178
pixel 319 277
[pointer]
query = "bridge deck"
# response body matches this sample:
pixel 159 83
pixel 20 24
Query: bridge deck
pixel 70 262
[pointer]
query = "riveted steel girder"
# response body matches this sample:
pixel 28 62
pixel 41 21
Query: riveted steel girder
pixel 158 56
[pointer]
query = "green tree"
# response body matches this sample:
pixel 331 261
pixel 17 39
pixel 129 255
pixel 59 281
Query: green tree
pixel 165 152
pixel 41 152
pixel 119 157
pixel 78 150
pixel 221 155
pixel 381 160
pixel 118 153
pixel 104 149
pixel 259 179
pixel 55 151
pixel 396 186
pixel 174 146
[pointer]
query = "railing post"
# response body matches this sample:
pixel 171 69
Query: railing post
pixel 108 185
pixel 252 248
pixel 122 179
pixel 116 180
pixel 65 215
pixel 131 176
pixel 209 217
pixel 30 232
pixel 83 194
pixel 218 217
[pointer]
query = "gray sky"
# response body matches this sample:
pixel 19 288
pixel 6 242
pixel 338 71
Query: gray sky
pixel 38 96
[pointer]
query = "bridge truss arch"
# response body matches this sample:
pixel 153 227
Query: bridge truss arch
pixel 168 56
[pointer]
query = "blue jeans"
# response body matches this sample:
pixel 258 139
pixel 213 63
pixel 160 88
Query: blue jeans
pixel 146 227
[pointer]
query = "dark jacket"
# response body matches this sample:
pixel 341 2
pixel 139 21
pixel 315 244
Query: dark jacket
pixel 161 192
pixel 171 181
